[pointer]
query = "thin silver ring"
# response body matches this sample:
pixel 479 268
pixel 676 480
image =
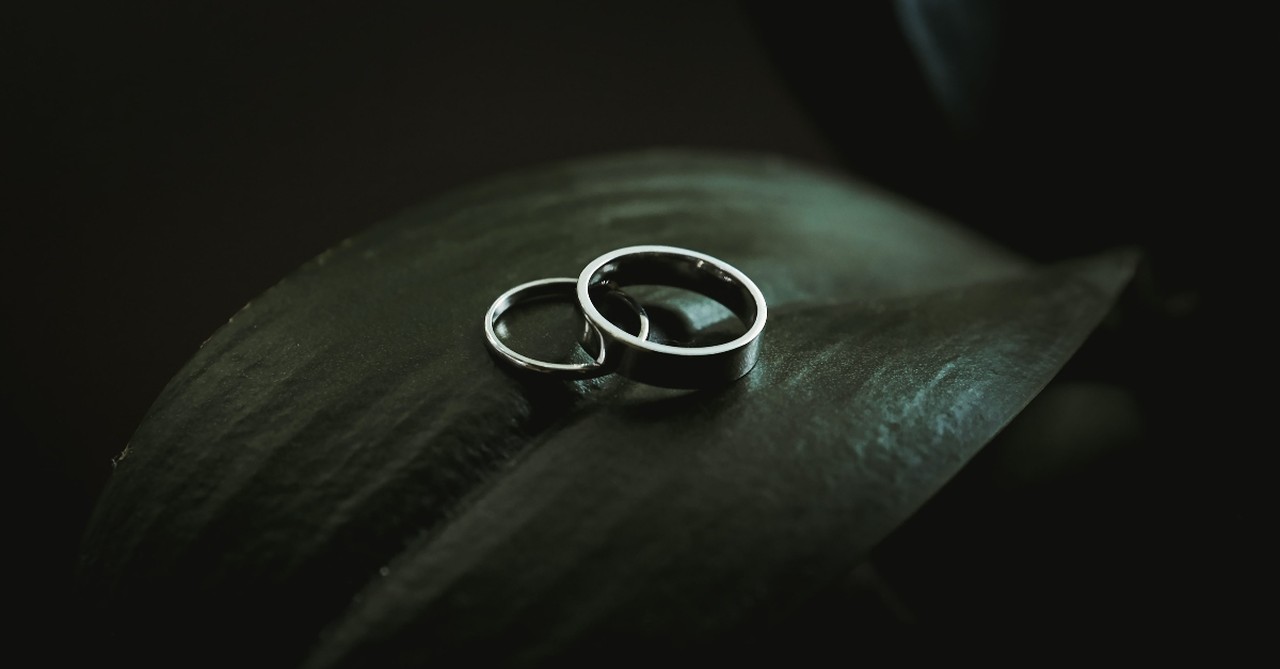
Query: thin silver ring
pixel 662 364
pixel 542 288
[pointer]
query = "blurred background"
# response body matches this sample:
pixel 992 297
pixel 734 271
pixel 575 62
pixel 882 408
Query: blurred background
pixel 167 162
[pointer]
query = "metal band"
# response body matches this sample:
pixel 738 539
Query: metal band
pixel 591 340
pixel 661 364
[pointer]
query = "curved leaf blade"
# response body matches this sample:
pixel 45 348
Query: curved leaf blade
pixel 350 419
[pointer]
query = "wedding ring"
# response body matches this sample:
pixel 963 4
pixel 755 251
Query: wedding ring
pixel 591 339
pixel 661 364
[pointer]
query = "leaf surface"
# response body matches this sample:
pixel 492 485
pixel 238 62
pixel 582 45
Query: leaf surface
pixel 343 476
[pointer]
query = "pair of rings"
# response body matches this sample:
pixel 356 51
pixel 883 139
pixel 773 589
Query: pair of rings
pixel 614 349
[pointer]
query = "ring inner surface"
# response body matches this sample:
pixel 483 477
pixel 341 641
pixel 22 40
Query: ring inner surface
pixel 695 274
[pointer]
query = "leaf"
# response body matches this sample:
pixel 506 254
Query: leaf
pixel 342 475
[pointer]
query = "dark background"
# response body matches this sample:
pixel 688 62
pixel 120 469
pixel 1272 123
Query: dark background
pixel 166 164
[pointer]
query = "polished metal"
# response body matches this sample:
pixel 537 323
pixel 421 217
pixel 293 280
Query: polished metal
pixel 661 364
pixel 591 340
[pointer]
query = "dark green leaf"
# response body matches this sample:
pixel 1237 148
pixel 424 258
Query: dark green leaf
pixel 343 474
